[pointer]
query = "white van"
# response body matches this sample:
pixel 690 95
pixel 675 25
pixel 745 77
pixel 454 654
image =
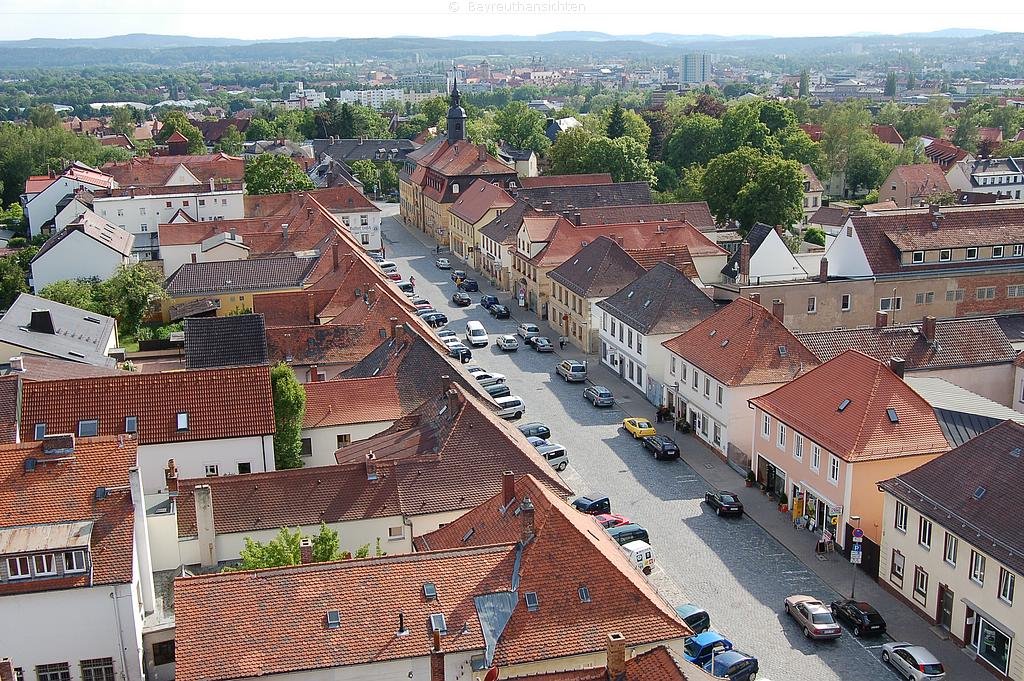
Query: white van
pixel 476 335
pixel 511 407
pixel 640 555
pixel 555 455
pixel 387 267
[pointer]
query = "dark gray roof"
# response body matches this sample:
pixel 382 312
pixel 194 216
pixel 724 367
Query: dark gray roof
pixel 975 491
pixel 587 195
pixel 1013 326
pixel 505 151
pixel 959 427
pixel 503 228
pixel 254 274
pixel 194 308
pixel 660 301
pixel 755 237
pixel 349 150
pixel 60 330
pixel 598 270
pixel 238 340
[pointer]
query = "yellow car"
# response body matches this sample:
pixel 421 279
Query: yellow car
pixel 639 427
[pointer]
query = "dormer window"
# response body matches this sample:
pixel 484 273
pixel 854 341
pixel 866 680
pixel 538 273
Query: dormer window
pixel 89 428
pixel 45 565
pixel 131 424
pixel 918 257
pixel 455 188
pixel 19 567
pixel 74 561
pixel 997 251
pixel 182 421
pixel 40 431
pixel 972 253
pixel 945 254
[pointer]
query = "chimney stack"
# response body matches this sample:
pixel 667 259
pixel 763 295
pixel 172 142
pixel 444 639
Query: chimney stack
pixel 616 650
pixel 577 219
pixel 306 551
pixel 436 658
pixel 314 374
pixel 526 516
pixel 204 525
pixel 481 152
pixel 335 255
pixel 881 319
pixel 508 487
pixel 310 309
pixel 928 328
pixel 234 233
pixel 41 322
pixel 898 365
pixel 823 271
pixel 394 326
pixel 171 477
pixel 779 310
pixel 670 258
pixel 620 240
pixel 371 467
pixel 17 363
pixel 756 297
pixel 744 274
pixel 6 669
pixel 213 185
pixel 284 233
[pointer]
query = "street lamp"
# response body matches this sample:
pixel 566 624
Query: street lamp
pixel 855 544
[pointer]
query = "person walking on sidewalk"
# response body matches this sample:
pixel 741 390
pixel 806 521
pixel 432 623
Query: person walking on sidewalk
pixel 561 342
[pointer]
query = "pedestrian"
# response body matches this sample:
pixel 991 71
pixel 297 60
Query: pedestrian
pixel 437 249
pixel 412 280
pixel 561 342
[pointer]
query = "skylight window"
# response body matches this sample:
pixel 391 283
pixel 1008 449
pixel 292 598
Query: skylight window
pixel 893 416
pixel 182 420
pixel 782 351
pixel 333 619
pixel 843 405
pixel 979 493
pixel 438 624
pixel 532 601
pixel 429 591
pixel 584 593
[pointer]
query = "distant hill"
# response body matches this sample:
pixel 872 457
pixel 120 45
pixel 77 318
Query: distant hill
pixel 131 41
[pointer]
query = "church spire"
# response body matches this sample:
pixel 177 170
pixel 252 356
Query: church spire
pixel 456 114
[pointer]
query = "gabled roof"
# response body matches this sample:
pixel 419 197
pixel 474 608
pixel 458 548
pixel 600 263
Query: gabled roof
pixel 598 270
pixel 743 344
pixel 322 345
pixel 481 196
pixel 661 300
pixel 220 403
pixel 256 274
pixel 193 308
pixel 660 663
pixel 621 598
pixel 66 492
pixel 157 170
pixel 975 491
pixel 831 216
pixel 213 342
pixel 96 228
pixel 44 368
pixel 213 131
pixel 345 401
pixel 813 131
pixel 755 237
pixel 588 195
pixel 459 159
pixel 863 429
pixel 565 180
pixel 920 179
pixel 338 199
pixel 814 184
pixel 945 153
pixel 349 150
pixel 990 134
pixel 696 213
pixel 61 330
pixel 887 133
pixel 958 343
pixel 677 256
pixel 504 228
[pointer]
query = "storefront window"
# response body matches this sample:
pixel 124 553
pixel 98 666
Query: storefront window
pixel 992 645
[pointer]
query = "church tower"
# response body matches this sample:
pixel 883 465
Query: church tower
pixel 456 116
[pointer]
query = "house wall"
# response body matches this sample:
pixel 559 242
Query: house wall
pixel 43 206
pixel 573 316
pixel 163 672
pixel 368 235
pixel 324 441
pixel 163 539
pixel 422 524
pixel 230 301
pixel 773 261
pixel 865 499
pixel 69 214
pixel 995 381
pixel 956 577
pixel 496 262
pixel 70 625
pixel 77 256
pixel 621 355
pixel 456 666
pixel 192 457
pixel 1018 389
pixel 709 267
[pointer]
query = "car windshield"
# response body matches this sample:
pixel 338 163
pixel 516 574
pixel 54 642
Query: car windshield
pixel 604 393
pixel 643 424
pixel 933 668
pixel 728 499
pixel 477 332
pixel 822 618
pixel 692 647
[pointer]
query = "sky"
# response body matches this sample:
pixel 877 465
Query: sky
pixel 274 19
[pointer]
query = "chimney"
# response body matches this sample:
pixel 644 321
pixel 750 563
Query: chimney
pixel 309 212
pixel 898 365
pixel 823 271
pixel 616 663
pixel 335 255
pixel 779 230
pixel 508 487
pixel 17 363
pixel 310 308
pixel 755 297
pixel 671 259
pixel 526 518
pixel 41 322
pixel 577 219
pixel 313 373
pixel 371 467
pixel 744 273
pixel 195 258
pixel 436 658
pixel 6 669
pixel 234 233
pixel 481 153
pixel 213 185
pixel 394 326
pixel 620 240
pixel 171 477
pixel 881 319
pixel 306 551
pixel 284 233
pixel 779 310
pixel 204 525
pixel 928 328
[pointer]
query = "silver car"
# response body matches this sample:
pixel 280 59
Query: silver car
pixel 814 616
pixel 913 662
pixel 572 370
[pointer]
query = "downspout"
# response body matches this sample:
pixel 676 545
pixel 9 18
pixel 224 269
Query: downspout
pixel 120 631
pixel 263 445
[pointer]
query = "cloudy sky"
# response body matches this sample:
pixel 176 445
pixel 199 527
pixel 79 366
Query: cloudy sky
pixel 261 19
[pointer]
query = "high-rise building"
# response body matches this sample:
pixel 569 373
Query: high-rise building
pixel 695 68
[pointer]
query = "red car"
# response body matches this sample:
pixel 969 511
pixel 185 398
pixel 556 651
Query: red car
pixel 607 520
pixel 394 276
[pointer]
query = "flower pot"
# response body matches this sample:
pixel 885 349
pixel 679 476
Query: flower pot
pixel 783 508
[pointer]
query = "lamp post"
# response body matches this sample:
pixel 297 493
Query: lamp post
pixel 855 549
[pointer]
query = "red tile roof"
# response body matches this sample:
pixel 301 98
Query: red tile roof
pixel 696 213
pixel 565 180
pixel 739 345
pixel 459 159
pixel 157 170
pixel 481 196
pixel 352 400
pixel 37 183
pixel 863 429
pixel 990 134
pixel 814 184
pixel 220 403
pixel 813 131
pixel 657 664
pixel 677 256
pixel 944 153
pixel 65 492
pixel 340 199
pixel 921 179
pixel 887 134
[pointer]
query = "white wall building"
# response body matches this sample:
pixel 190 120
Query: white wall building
pixel 42 193
pixel 1001 176
pixel 89 247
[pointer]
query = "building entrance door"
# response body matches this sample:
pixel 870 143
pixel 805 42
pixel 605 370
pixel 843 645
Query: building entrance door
pixel 945 607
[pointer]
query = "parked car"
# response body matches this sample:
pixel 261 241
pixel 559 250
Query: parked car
pixel 435 319
pixel 387 266
pixel 527 330
pixel 425 310
pixel 511 407
pixel 405 287
pixel 499 312
pixel 443 264
pixel 863 619
pixel 723 502
pixel 913 662
pixel 623 534
pixel 696 617
pixel 486 378
pixel 418 300
pixel 460 352
pixel 662 446
pixel 461 299
pixel 599 396
pixel 592 505
pixel 458 274
pixel 394 275
pixel 733 665
pixel 446 333
pixel 554 454
pixel 487 302
pixel 535 429
pixel 498 390
pixel 572 370
pixel 607 520
pixel 638 427
pixel 640 554
pixel 475 370
pixel 423 307
pixel 541 344
pixel 469 285
pixel 812 615
pixel 476 335
pixel 701 648
pixel 376 256
pixel 507 342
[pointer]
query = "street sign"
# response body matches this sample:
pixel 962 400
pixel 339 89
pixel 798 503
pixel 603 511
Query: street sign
pixel 857 540
pixel 856 554
pixel 858 533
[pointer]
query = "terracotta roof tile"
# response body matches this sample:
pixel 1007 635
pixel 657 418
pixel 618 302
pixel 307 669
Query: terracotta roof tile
pixel 657 664
pixel 352 400
pixel 990 134
pixel 65 492
pixel 696 213
pixel 340 199
pixel 566 239
pixel 504 228
pixel 661 300
pixel 157 170
pixel 920 179
pixel 326 344
pixel 10 393
pixel 220 403
pixel 813 131
pixel 481 196
pixel 565 180
pixel 677 256
pixel 814 184
pixel 739 345
pixel 862 430
pixel 43 368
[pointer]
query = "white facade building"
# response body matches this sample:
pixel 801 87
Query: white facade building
pixel 89 247
pixel 42 194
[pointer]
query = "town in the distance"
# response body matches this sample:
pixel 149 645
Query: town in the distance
pixel 652 358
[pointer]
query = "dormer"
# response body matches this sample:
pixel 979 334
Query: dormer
pixel 50 551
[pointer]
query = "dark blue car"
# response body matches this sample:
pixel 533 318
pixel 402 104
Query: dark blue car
pixel 469 285
pixel 732 665
pixel 699 649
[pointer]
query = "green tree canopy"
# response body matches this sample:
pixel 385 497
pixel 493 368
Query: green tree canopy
pixel 13 280
pixel 616 126
pixel 175 120
pixel 128 294
pixel 624 158
pixel 230 142
pixel 366 172
pixel 749 186
pixel 696 140
pixel 78 293
pixel 521 127
pixel 289 409
pixel 123 121
pixel 43 116
pixel 567 153
pixel 275 174
pixel 388 176
pixel 260 129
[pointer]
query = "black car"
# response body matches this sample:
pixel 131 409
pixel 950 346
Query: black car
pixel 535 429
pixel 862 618
pixel 487 301
pixel 469 285
pixel 435 319
pixel 460 352
pixel 498 311
pixel 724 503
pixel 662 446
pixel 461 299
pixel 458 274
pixel 593 505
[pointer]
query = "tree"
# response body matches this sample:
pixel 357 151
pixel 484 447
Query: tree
pixel 742 126
pixel 567 153
pixel 388 176
pixel 123 121
pixel 289 409
pixel 843 127
pixel 275 174
pixel 660 125
pixel 805 84
pixel 284 549
pixel 521 127
pixel 128 295
pixel 869 163
pixel 1012 149
pixel 13 280
pixel 667 179
pixel 624 158
pixel 230 142
pixel 815 235
pixel 43 116
pixel 695 141
pixel 911 80
pixel 749 186
pixel 367 173
pixel 796 145
pixel 260 129
pixel 616 123
pixel 326 545
pixel 78 293
pixel 176 120
pixel 890 84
